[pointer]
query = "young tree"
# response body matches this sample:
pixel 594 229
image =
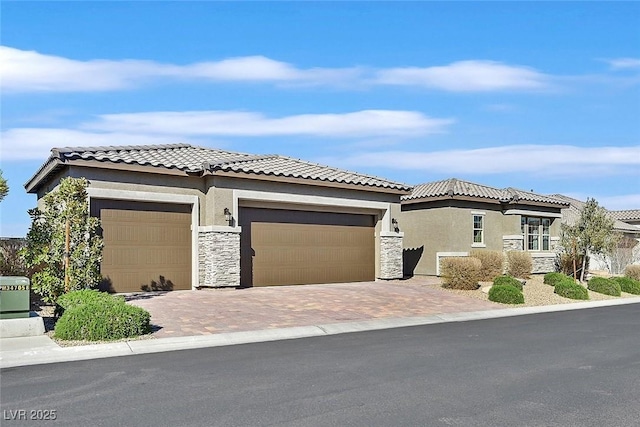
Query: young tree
pixel 63 242
pixel 4 187
pixel 592 234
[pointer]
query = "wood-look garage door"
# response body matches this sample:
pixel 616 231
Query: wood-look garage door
pixel 280 247
pixel 147 246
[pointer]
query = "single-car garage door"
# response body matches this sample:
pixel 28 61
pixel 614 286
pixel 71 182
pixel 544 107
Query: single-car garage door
pixel 284 247
pixel 147 246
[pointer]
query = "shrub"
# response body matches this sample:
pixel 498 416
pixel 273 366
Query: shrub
pixel 47 285
pixel 605 286
pixel 506 294
pixel 103 321
pixel 553 278
pixel 628 285
pixel 11 263
pixel 569 289
pixel 460 272
pixel 564 264
pixel 633 272
pixel 519 264
pixel 492 263
pixel 507 280
pixel 85 296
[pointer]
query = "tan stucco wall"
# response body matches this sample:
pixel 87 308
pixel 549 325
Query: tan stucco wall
pixel 447 226
pixel 447 229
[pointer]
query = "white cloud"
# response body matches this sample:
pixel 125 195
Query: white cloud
pixel 532 159
pixel 30 71
pixel 624 63
pixel 233 123
pixel 466 76
pixel 200 126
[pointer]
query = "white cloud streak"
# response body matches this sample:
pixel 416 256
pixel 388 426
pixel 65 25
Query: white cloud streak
pixel 467 76
pixel 232 123
pixel 30 71
pixel 624 63
pixel 547 160
pixel 200 126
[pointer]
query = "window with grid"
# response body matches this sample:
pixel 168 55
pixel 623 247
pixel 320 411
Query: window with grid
pixel 536 233
pixel 478 229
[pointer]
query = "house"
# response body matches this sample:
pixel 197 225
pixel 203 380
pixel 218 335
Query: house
pixel 628 250
pixel 453 217
pixel 181 217
pixel 631 216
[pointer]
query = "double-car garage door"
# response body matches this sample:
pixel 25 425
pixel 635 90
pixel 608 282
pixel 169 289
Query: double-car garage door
pixel 288 247
pixel 147 246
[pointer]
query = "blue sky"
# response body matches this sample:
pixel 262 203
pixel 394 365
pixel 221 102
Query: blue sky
pixel 542 96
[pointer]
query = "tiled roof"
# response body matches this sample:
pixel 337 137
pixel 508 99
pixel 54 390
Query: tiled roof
pixel 194 159
pixel 627 215
pixel 571 214
pixel 457 188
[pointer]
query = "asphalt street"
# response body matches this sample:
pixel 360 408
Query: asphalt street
pixel 573 368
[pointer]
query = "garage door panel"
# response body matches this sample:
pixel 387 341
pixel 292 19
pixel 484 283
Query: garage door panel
pixel 285 253
pixel 146 246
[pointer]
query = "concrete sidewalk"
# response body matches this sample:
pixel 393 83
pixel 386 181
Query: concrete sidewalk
pixel 41 350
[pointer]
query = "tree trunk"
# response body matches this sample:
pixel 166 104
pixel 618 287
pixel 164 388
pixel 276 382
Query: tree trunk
pixel 66 256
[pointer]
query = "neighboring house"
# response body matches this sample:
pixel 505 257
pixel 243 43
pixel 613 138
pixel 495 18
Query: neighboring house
pixel 180 217
pixel 629 216
pixel 454 217
pixel 628 251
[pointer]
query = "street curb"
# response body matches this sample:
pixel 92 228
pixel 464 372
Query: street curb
pixel 55 353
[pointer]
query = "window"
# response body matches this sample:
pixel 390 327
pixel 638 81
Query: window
pixel 478 229
pixel 536 233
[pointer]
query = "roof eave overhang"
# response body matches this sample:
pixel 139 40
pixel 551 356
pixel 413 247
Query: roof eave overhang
pixel 308 181
pixel 52 165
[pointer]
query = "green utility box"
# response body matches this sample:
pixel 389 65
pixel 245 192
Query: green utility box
pixel 15 300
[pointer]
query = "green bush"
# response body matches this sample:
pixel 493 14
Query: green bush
pixel 519 264
pixel 506 294
pixel 92 315
pixel 492 263
pixel 628 285
pixel 86 296
pixel 460 272
pixel 103 321
pixel 553 278
pixel 569 289
pixel 508 280
pixel 633 272
pixel 605 286
pixel 47 285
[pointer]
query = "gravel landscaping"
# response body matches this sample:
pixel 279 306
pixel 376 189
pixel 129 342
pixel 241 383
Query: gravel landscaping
pixel 535 293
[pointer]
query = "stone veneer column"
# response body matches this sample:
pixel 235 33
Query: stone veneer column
pixel 219 256
pixel 391 255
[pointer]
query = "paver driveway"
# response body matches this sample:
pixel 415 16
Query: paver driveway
pixel 212 311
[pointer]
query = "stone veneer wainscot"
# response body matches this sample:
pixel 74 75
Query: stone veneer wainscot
pixel 219 256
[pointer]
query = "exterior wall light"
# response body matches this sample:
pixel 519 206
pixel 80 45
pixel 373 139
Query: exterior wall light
pixel 394 223
pixel 228 217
